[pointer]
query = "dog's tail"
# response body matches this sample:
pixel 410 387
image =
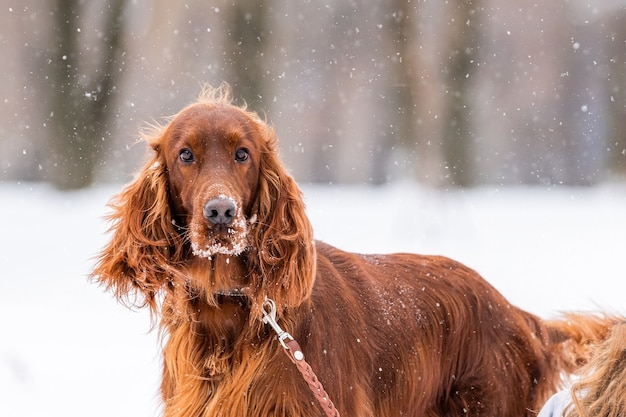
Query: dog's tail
pixel 573 339
pixel 568 343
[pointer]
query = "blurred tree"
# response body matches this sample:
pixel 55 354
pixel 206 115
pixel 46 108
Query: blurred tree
pixel 462 43
pixel 410 80
pixel 403 37
pixel 81 81
pixel 616 142
pixel 244 49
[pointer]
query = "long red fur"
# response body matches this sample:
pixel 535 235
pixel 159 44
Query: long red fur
pixel 388 335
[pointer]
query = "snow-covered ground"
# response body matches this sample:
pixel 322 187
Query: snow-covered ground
pixel 68 349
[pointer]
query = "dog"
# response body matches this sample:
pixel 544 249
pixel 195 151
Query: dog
pixel 213 227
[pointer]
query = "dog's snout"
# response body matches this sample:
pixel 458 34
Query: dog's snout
pixel 220 210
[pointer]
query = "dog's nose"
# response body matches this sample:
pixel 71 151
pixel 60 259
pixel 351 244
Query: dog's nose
pixel 220 210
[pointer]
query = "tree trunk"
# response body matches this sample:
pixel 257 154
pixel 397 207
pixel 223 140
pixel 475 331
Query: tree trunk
pixel 457 133
pixel 81 103
pixel 247 36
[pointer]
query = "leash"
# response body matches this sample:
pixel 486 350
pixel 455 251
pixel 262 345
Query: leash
pixel 293 350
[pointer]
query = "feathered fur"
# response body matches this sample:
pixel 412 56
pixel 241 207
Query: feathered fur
pixel 388 335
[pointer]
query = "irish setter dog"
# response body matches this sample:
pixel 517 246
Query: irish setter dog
pixel 213 226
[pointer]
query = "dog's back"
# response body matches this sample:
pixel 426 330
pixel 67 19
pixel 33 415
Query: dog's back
pixel 434 338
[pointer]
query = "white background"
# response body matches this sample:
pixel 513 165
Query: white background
pixel 68 349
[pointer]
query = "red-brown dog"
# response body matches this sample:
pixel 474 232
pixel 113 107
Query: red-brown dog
pixel 213 226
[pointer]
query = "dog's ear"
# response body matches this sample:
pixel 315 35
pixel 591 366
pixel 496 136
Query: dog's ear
pixel 135 263
pixel 283 234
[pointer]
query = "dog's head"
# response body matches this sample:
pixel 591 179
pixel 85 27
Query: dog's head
pixel 214 197
pixel 212 153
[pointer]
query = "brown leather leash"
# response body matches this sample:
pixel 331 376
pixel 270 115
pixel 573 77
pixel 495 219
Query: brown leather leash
pixel 293 350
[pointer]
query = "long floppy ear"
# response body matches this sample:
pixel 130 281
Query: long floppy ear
pixel 283 236
pixel 135 263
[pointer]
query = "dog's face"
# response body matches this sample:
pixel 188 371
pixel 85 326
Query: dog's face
pixel 212 214
pixel 212 154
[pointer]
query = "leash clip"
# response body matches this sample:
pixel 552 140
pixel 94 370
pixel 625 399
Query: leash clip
pixel 269 317
pixel 293 350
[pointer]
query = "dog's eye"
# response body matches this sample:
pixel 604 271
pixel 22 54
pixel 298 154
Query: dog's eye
pixel 185 156
pixel 242 155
